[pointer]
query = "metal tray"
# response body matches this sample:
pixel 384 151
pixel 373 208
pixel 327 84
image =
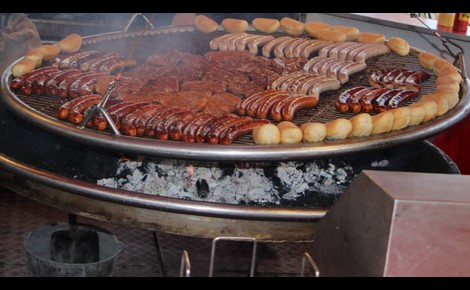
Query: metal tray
pixel 41 110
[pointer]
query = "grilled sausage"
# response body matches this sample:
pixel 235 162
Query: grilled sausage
pixel 64 110
pixel 300 102
pixel 141 121
pixel 52 85
pixel 265 109
pixel 30 77
pixel 157 118
pixel 232 133
pixel 341 103
pixel 401 98
pixel 381 102
pixel 67 61
pixel 176 127
pixel 346 71
pixel 368 99
pixel 189 132
pixel 253 45
pixel 268 47
pixel 203 131
pixel 375 50
pixel 76 111
pixel 128 122
pixel 241 107
pixel 162 129
pixel 215 131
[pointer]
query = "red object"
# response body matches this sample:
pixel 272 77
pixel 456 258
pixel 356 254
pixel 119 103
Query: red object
pixel 455 142
pixel 461 22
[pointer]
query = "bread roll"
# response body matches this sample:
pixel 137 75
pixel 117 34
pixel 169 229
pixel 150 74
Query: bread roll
pixel 330 35
pixel 451 87
pixel 439 63
pixel 36 55
pixel 351 32
pixel 450 71
pixel 338 129
pixel 312 27
pixel 426 59
pixel 417 115
pixel 49 51
pixel 267 134
pixel 441 102
pixel 401 118
pixel 382 122
pixel 234 25
pixel 361 125
pixel 448 79
pixel 430 108
pixel 369 37
pixel 205 24
pixel 313 132
pixel 292 26
pixel 22 67
pixel 70 43
pixel 399 46
pixel 290 133
pixel 452 98
pixel 266 25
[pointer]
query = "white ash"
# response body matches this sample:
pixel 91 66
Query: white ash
pixel 237 185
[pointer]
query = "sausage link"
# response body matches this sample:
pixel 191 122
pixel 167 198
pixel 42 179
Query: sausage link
pixel 354 101
pixel 265 109
pixel 189 132
pixel 346 71
pixel 215 131
pixel 401 98
pixel 176 127
pixel 157 118
pixel 76 112
pixel 67 61
pixel 141 121
pixel 203 131
pixel 268 47
pixel 253 45
pixel 341 103
pixel 242 105
pixel 232 133
pixel 39 83
pixel 300 102
pixel 368 99
pixel 276 111
pixel 64 110
pixel 162 129
pixel 52 85
pixel 380 103
pixel 128 122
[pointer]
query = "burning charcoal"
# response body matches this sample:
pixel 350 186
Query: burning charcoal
pixel 202 188
pixel 271 173
pixel 124 173
pixel 227 169
pixel 160 172
pixel 146 166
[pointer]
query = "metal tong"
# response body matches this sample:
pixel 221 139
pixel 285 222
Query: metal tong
pixel 458 57
pixel 99 108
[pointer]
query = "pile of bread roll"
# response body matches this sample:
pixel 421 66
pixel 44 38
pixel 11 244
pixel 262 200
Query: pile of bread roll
pixel 35 57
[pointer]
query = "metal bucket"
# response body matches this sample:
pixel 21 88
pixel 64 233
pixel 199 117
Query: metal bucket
pixel 58 250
